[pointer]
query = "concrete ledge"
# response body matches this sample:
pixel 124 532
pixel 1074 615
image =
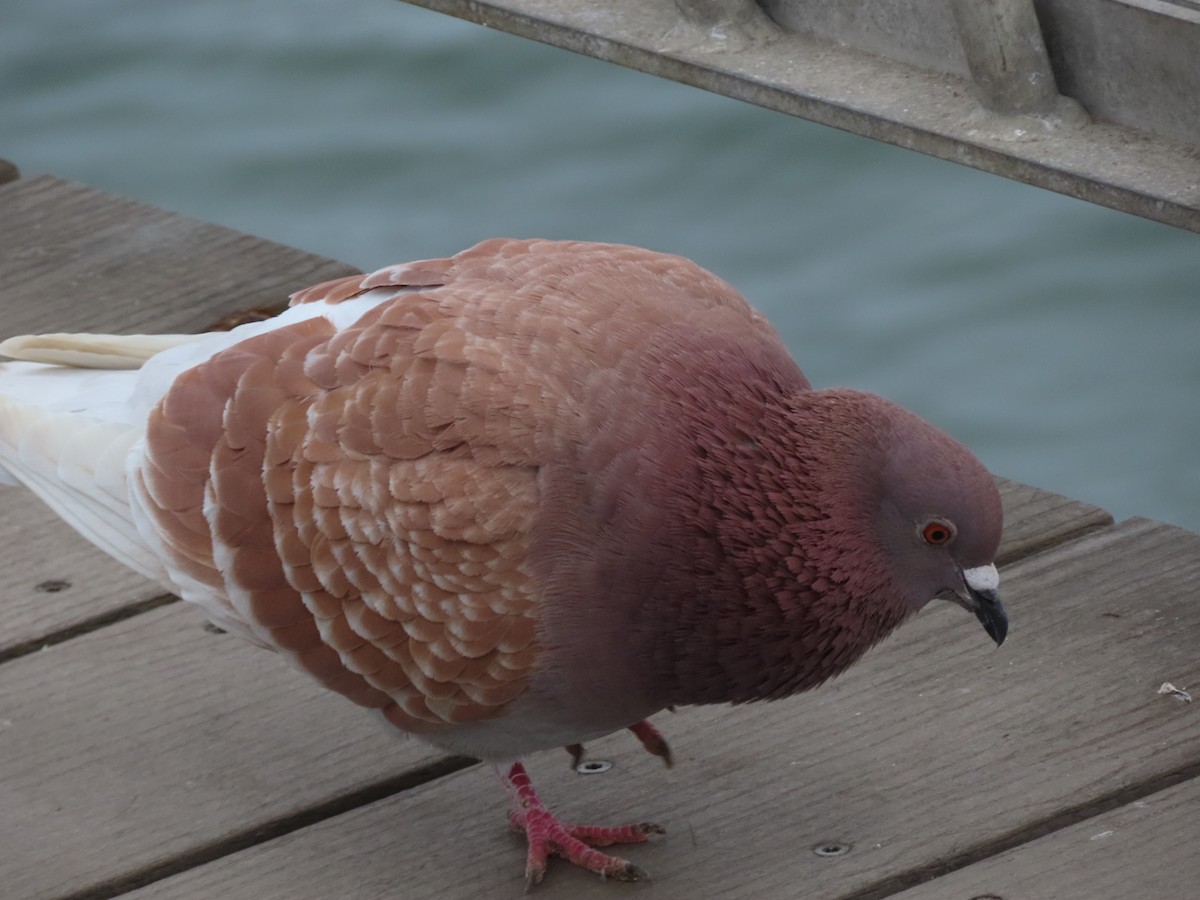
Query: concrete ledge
pixel 731 48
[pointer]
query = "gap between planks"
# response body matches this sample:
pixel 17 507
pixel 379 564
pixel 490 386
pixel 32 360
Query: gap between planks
pixel 1026 834
pixel 263 832
pixel 84 626
pixel 1140 850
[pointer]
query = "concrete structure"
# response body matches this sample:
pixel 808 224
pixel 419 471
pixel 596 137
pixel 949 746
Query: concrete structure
pixel 1097 99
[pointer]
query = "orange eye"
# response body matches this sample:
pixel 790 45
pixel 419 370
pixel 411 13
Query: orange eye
pixel 937 532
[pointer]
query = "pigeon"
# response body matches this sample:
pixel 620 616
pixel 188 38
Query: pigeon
pixel 512 500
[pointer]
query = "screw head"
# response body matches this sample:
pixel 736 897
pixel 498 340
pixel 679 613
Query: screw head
pixel 593 766
pixel 831 848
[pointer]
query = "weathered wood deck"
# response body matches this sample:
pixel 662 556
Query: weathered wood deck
pixel 143 756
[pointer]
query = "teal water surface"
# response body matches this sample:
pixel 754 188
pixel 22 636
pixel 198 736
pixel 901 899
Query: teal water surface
pixel 1060 340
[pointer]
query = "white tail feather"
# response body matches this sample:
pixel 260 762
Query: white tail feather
pixel 92 351
pixel 65 434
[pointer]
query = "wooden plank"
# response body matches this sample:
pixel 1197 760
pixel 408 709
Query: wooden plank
pixel 1144 850
pixel 74 258
pixel 932 750
pixel 154 739
pixel 1035 519
pixel 55 583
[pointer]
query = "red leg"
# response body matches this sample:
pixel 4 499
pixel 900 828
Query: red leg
pixel 650 737
pixel 576 751
pixel 546 835
pixel 653 741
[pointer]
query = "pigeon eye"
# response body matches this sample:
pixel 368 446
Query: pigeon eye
pixel 937 532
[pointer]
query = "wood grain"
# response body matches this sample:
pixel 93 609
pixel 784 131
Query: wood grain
pixel 53 581
pixel 1144 850
pixel 1035 519
pixel 934 749
pixel 77 259
pixel 153 737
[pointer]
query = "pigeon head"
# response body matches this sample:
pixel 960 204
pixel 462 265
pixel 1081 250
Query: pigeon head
pixel 939 517
pixel 890 512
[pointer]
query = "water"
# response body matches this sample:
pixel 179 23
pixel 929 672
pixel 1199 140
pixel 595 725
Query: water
pixel 1058 339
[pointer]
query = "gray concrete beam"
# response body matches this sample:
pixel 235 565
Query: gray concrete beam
pixel 731 48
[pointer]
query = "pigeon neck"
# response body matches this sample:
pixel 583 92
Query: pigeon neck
pixel 775 588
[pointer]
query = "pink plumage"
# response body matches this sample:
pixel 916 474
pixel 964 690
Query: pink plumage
pixel 514 499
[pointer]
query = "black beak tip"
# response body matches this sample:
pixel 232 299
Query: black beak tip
pixel 991 615
pixel 997 630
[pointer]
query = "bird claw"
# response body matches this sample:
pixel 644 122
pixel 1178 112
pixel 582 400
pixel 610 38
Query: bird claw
pixel 630 872
pixel 577 844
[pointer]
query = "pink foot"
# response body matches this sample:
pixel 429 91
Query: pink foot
pixel 575 843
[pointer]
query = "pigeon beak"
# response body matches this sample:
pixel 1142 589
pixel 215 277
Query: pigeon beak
pixel 983 599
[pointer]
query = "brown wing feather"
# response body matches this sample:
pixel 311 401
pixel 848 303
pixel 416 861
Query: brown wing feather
pixel 331 492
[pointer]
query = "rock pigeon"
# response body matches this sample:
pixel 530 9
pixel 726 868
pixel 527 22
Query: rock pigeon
pixel 512 500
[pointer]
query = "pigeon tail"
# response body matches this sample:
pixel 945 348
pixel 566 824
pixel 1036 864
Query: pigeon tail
pixel 63 437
